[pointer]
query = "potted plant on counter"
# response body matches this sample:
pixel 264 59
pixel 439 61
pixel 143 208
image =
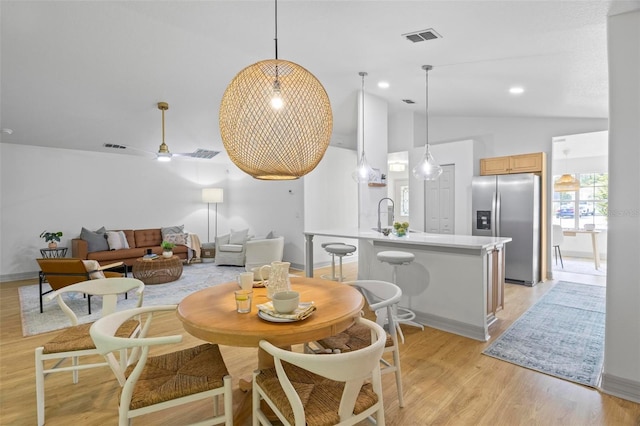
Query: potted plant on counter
pixel 53 238
pixel 401 229
pixel 167 248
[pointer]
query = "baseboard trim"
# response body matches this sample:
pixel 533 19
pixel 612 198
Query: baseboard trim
pixel 620 387
pixel 19 276
pixel 452 326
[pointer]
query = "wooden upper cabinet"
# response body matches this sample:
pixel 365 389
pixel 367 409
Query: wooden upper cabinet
pixel 525 163
pixel 494 166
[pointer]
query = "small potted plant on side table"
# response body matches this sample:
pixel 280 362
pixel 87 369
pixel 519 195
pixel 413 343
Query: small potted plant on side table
pixel 167 249
pixel 53 238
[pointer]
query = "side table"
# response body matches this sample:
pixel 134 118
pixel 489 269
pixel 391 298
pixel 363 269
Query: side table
pixel 157 271
pixel 49 253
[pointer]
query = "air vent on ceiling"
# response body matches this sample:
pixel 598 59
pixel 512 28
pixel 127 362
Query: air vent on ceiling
pixel 408 101
pixel 422 35
pixel 203 153
pixel 114 146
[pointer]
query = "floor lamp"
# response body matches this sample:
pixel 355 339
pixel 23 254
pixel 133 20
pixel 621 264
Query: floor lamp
pixel 212 195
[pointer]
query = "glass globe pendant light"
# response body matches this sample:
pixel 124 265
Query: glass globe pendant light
pixel 428 168
pixel 363 173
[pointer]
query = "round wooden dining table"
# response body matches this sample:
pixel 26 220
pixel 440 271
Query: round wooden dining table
pixel 210 315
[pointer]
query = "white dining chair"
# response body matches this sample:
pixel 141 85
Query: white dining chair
pixel 75 342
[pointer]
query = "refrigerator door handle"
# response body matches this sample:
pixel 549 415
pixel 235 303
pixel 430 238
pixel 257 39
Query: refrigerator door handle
pixel 496 214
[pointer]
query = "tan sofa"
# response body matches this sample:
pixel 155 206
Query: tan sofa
pixel 138 240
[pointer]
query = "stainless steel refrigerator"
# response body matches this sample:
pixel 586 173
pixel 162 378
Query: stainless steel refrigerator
pixel 509 206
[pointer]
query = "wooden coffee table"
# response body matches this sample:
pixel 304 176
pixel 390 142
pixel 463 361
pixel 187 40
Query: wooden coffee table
pixel 157 271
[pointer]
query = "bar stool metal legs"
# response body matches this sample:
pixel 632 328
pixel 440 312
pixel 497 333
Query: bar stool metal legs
pixel 402 315
pixel 341 250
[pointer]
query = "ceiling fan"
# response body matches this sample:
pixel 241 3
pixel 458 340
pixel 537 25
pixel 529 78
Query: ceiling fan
pixel 163 153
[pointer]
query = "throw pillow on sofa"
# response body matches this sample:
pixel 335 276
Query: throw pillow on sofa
pixel 238 237
pixel 93 267
pixel 171 230
pixel 96 240
pixel 177 238
pixel 117 240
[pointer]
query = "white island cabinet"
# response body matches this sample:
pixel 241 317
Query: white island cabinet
pixel 455 283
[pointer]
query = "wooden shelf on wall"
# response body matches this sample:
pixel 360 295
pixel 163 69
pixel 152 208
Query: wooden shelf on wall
pixel 377 184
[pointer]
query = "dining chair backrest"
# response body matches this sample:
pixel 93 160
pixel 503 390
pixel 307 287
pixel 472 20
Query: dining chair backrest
pixel 187 375
pixel 557 235
pixel 353 369
pixel 108 288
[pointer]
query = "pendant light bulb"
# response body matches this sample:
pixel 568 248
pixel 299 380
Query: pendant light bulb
pixel 276 98
pixel 364 173
pixel 428 168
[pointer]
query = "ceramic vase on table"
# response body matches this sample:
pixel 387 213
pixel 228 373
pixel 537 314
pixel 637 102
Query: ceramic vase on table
pixel 278 273
pixel 53 245
pixel 167 254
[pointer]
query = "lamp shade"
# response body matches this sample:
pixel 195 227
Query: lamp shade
pixel 566 183
pixel 212 195
pixel 275 139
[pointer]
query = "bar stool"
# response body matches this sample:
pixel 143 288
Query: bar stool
pixel 395 259
pixel 341 250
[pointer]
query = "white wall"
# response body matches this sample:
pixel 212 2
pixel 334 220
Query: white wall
pixel 64 190
pixel 622 342
pixel 331 200
pixel 263 206
pixel 376 135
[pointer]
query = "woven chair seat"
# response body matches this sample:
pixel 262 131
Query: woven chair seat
pixel 77 338
pixel 320 396
pixel 178 374
pixel 353 338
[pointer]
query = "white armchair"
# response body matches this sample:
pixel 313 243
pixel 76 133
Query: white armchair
pixel 231 248
pixel 263 252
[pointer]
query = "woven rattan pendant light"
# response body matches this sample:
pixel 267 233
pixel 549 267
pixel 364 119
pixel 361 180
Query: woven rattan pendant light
pixel 275 119
pixel 567 182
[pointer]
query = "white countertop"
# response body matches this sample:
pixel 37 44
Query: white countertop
pixel 420 238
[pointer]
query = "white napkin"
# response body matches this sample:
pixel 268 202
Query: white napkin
pixel 301 312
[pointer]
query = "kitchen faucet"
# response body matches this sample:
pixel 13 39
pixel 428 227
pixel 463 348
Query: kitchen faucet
pixel 392 210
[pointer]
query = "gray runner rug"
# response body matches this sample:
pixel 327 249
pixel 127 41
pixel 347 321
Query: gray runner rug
pixel 194 277
pixel 561 335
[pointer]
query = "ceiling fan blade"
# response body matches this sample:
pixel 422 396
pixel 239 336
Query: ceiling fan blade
pixel 205 154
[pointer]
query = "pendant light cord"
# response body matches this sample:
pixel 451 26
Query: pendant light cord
pixel 427 68
pixel 162 126
pixel 276 27
pixel 363 74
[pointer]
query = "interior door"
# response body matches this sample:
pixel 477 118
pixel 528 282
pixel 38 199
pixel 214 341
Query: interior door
pixel 440 202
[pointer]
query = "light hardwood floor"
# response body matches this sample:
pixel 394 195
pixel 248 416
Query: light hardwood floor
pixel 447 380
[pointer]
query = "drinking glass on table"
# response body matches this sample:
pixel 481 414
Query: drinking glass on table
pixel 243 301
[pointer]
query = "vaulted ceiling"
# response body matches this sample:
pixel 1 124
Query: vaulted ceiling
pixel 79 74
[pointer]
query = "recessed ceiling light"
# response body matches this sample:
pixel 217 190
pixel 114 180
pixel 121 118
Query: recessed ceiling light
pixel 516 90
pixel 383 84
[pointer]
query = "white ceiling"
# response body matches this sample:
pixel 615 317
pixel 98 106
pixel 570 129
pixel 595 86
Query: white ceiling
pixel 78 74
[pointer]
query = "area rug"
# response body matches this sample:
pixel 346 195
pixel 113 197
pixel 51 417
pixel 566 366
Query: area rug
pixel 581 266
pixel 561 335
pixel 194 277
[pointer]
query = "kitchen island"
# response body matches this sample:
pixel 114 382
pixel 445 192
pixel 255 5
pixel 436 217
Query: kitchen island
pixel 455 283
